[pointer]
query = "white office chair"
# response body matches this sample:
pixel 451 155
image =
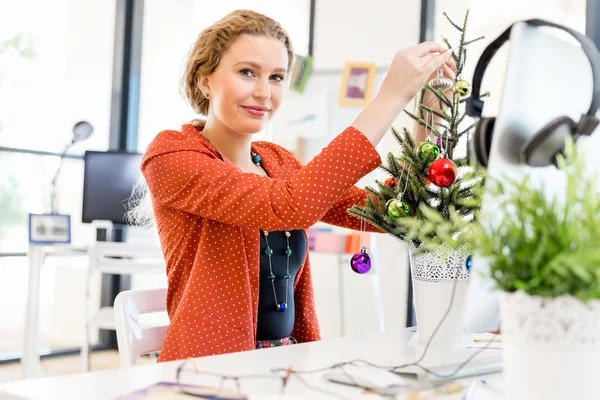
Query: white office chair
pixel 120 259
pixel 133 338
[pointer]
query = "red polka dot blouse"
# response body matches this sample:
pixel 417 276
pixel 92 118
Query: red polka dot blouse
pixel 208 216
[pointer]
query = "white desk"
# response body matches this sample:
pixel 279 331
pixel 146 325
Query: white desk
pixel 390 348
pixel 99 258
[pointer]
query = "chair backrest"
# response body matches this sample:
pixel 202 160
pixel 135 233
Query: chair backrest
pixel 133 338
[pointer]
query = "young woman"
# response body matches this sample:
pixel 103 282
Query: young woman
pixel 232 214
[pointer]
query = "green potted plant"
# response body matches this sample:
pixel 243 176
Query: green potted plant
pixel 544 257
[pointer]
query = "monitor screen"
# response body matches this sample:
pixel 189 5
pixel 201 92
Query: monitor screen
pixel 107 183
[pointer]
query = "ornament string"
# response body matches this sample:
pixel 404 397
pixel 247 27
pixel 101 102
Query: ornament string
pixel 427 131
pixel 400 194
pixel 363 226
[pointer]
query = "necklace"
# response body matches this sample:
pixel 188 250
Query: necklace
pixel 281 307
pixel 255 158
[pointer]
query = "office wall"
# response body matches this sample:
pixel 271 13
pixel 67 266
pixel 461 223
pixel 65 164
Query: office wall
pixel 356 30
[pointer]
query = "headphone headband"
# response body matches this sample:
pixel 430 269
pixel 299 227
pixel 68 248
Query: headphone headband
pixel 588 122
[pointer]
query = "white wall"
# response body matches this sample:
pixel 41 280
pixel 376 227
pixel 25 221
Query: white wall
pixel 358 30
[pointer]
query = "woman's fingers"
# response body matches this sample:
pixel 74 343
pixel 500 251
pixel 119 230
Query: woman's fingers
pixel 449 71
pixel 426 48
pixel 433 61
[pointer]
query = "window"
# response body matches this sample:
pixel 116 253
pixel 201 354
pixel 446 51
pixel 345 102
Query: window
pixel 55 70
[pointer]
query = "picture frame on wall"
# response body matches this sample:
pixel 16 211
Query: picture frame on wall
pixel 357 83
pixel 301 73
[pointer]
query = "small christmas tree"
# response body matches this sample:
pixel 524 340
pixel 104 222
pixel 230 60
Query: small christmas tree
pixel 428 176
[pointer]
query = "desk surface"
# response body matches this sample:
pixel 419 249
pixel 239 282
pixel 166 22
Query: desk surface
pixel 387 348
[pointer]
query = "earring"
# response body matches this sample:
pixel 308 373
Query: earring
pixel 207 95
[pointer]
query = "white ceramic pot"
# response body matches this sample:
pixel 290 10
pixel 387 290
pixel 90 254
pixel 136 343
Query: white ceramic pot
pixel 551 347
pixel 435 277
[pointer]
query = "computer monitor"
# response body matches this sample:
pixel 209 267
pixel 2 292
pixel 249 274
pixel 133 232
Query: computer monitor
pixel 546 77
pixel 107 183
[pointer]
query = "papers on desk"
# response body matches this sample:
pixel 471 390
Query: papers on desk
pixel 487 337
pixel 413 378
pixel 365 377
pixel 444 372
pixel 379 381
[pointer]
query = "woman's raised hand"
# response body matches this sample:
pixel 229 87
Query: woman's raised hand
pixel 410 69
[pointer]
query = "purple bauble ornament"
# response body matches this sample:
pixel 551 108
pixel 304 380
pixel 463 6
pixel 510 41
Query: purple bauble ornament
pixel 438 142
pixel 361 262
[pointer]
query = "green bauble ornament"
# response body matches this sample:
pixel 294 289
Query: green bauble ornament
pixel 428 152
pixel 463 88
pixel 397 208
pixel 404 207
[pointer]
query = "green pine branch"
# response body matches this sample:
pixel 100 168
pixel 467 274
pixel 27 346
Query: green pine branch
pixel 471 127
pixel 446 42
pixel 461 50
pixel 434 112
pixel 411 115
pixel 455 25
pixel 474 40
pixel 440 95
pixel 421 98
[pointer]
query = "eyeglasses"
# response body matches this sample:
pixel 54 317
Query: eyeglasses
pixel 187 375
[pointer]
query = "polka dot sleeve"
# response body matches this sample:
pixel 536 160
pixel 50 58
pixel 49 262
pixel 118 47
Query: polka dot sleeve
pixel 338 214
pixel 197 182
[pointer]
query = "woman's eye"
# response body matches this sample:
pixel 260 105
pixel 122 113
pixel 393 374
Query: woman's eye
pixel 247 72
pixel 277 78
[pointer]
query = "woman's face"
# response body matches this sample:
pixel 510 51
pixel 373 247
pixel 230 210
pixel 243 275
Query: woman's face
pixel 247 86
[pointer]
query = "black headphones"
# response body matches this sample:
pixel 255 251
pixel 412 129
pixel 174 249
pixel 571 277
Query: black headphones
pixel 542 148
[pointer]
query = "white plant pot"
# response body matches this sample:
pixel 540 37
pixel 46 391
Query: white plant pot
pixel 551 347
pixel 435 277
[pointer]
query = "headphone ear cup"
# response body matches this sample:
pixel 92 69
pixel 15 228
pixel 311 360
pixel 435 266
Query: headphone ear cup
pixel 542 148
pixel 481 142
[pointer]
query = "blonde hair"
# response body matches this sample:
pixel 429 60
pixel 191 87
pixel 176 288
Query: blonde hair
pixel 202 60
pixel 206 53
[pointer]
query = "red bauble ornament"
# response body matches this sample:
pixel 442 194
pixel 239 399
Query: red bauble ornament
pixel 391 182
pixel 442 172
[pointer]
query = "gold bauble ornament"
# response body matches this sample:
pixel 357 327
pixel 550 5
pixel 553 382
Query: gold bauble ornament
pixel 463 88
